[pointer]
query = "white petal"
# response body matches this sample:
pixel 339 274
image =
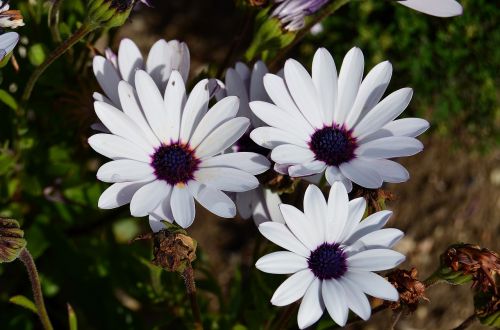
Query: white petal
pixel 324 76
pixel 182 203
pixel 373 284
pixel 441 8
pixel 302 227
pixel 180 58
pixel 337 212
pixel 222 137
pixel 359 171
pixel 370 92
pixel 390 147
pixel 236 86
pixel 356 211
pixel 291 154
pixel 335 301
pixel 152 104
pixel 272 202
pixel 279 94
pixel 250 162
pixel 221 112
pixel 129 60
pixel 355 298
pixel 120 124
pixel 245 203
pixel 8 40
pixel 212 199
pixel 307 169
pixel 333 175
pixel 280 235
pixel 311 307
pixel 372 223
pixel 131 107
pixel 123 170
pixel 375 260
pixel 244 72
pixel 163 212
pixel 149 197
pixel 350 77
pixel 316 209
pixel 107 77
pixel 293 288
pixel 196 107
pixel 383 239
pixel 390 171
pixel 115 147
pixel 388 109
pixel 158 64
pixel 257 90
pixel 411 127
pixel 271 137
pixel 119 194
pixel 281 262
pixel 276 117
pixel 227 179
pixel 304 94
pixel 175 98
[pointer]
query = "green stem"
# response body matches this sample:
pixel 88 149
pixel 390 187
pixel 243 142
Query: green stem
pixel 332 8
pixel 433 279
pixel 77 36
pixel 28 261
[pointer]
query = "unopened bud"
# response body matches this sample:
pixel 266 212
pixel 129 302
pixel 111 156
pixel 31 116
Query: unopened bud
pixel 12 240
pixel 109 13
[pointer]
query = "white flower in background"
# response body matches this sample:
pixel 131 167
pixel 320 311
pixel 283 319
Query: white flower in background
pixel 163 58
pixel 439 8
pixel 336 124
pixel 9 18
pixel 292 13
pixel 332 256
pixel 8 41
pixel 165 151
pixel 260 204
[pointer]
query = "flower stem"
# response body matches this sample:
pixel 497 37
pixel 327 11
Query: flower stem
pixel 28 261
pixel 333 7
pixel 466 323
pixel 188 276
pixel 433 279
pixel 67 44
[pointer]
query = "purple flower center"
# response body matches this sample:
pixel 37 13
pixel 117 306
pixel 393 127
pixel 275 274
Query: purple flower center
pixel 174 163
pixel 246 144
pixel 328 261
pixel 334 145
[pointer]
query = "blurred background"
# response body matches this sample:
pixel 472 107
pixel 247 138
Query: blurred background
pixel 84 255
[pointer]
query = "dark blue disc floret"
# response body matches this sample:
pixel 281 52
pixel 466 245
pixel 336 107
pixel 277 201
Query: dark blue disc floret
pixel 328 261
pixel 333 145
pixel 174 163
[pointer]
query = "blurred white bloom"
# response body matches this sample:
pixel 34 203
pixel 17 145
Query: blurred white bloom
pixel 165 151
pixel 292 13
pixel 247 85
pixel 332 256
pixel 8 41
pixel 163 58
pixel 336 124
pixel 9 18
pixel 439 8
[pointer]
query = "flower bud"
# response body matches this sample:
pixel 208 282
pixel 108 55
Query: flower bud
pixel 8 41
pixel 12 240
pixel 109 13
pixel 410 289
pixel 461 263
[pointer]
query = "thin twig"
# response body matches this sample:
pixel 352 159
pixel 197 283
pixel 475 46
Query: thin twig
pixel 395 319
pixel 188 276
pixel 28 261
pixel 466 323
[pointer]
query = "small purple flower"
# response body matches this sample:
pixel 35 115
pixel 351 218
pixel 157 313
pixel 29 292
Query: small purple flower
pixel 292 13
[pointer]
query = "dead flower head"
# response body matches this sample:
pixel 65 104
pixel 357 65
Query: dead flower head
pixel 410 289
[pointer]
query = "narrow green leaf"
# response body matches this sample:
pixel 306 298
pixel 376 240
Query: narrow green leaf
pixel 8 99
pixel 73 322
pixel 24 302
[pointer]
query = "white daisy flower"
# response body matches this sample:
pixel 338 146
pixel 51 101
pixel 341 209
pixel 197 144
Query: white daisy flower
pixel 439 8
pixel 10 18
pixel 8 41
pixel 163 58
pixel 337 124
pixel 165 151
pixel 332 256
pixel 260 204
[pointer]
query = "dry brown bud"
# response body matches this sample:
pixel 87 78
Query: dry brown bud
pixel 375 198
pixel 173 251
pixel 482 264
pixel 410 289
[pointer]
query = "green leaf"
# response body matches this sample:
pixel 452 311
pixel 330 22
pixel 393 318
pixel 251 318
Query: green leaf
pixel 6 98
pixel 72 320
pixel 24 302
pixel 36 54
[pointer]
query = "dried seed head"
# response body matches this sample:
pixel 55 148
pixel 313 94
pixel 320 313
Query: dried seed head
pixel 475 263
pixel 410 289
pixel 173 251
pixel 375 198
pixel 12 240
